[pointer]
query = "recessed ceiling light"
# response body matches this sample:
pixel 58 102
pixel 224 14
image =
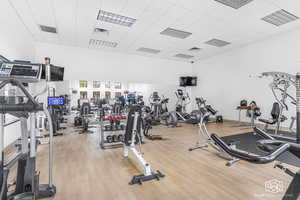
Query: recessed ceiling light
pixel 236 4
pixel 185 56
pixel 195 49
pixel 175 33
pixel 217 42
pixel 97 43
pixel 148 50
pixel 48 29
pixel 115 18
pixel 280 17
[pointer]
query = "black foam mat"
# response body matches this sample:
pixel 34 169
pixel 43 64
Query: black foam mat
pixel 247 142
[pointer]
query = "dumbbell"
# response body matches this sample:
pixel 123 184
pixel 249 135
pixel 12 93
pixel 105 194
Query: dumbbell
pixel 122 127
pixel 109 139
pixel 115 138
pixel 121 138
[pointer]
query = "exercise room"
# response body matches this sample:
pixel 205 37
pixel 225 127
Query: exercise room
pixel 150 99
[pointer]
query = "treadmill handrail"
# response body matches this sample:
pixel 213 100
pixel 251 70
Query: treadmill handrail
pixel 247 157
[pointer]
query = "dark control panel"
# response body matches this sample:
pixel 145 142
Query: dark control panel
pixel 26 72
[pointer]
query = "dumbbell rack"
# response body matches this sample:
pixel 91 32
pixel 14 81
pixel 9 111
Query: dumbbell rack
pixel 104 133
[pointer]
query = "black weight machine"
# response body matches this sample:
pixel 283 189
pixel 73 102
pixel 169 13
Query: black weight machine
pixel 280 85
pixel 273 147
pixel 133 137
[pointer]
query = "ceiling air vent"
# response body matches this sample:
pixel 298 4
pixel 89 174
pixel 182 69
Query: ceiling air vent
pixel 100 30
pixel 185 56
pixel 148 50
pixel 175 33
pixel 195 49
pixel 280 17
pixel 99 43
pixel 236 4
pixel 217 43
pixel 48 29
pixel 115 18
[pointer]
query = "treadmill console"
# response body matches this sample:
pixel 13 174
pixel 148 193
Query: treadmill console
pixel 24 72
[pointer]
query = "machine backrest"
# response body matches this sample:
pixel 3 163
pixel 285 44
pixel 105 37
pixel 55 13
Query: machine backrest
pixel 130 122
pixel 275 110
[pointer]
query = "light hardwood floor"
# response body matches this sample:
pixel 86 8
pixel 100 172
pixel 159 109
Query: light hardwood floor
pixel 83 171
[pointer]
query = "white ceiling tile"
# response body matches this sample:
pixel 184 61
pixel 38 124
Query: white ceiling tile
pixel 205 19
pixel 42 12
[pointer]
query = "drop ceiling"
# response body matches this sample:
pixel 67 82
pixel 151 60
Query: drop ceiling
pixel 76 20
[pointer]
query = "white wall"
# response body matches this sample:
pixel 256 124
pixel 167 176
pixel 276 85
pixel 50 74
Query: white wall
pixel 16 43
pixel 87 64
pixel 138 73
pixel 224 79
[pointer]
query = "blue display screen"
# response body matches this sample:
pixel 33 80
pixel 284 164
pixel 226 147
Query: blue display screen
pixel 56 101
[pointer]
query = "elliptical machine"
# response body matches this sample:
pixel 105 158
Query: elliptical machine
pixel 27 185
pixel 159 111
pixel 183 100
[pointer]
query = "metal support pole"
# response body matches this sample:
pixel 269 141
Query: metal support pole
pixel 2 137
pixel 46 111
pixel 297 84
pixel 24 135
pixel 32 135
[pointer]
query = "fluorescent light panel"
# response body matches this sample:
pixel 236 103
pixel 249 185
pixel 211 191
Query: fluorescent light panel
pixel 48 29
pixel 217 42
pixel 236 4
pixel 148 50
pixel 280 17
pixel 185 56
pixel 94 42
pixel 176 33
pixel 115 18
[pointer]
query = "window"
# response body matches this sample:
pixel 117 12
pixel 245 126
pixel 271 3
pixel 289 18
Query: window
pixel 83 84
pixel 118 85
pixel 118 94
pixel 96 84
pixel 107 84
pixel 107 95
pixel 96 95
pixel 83 94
